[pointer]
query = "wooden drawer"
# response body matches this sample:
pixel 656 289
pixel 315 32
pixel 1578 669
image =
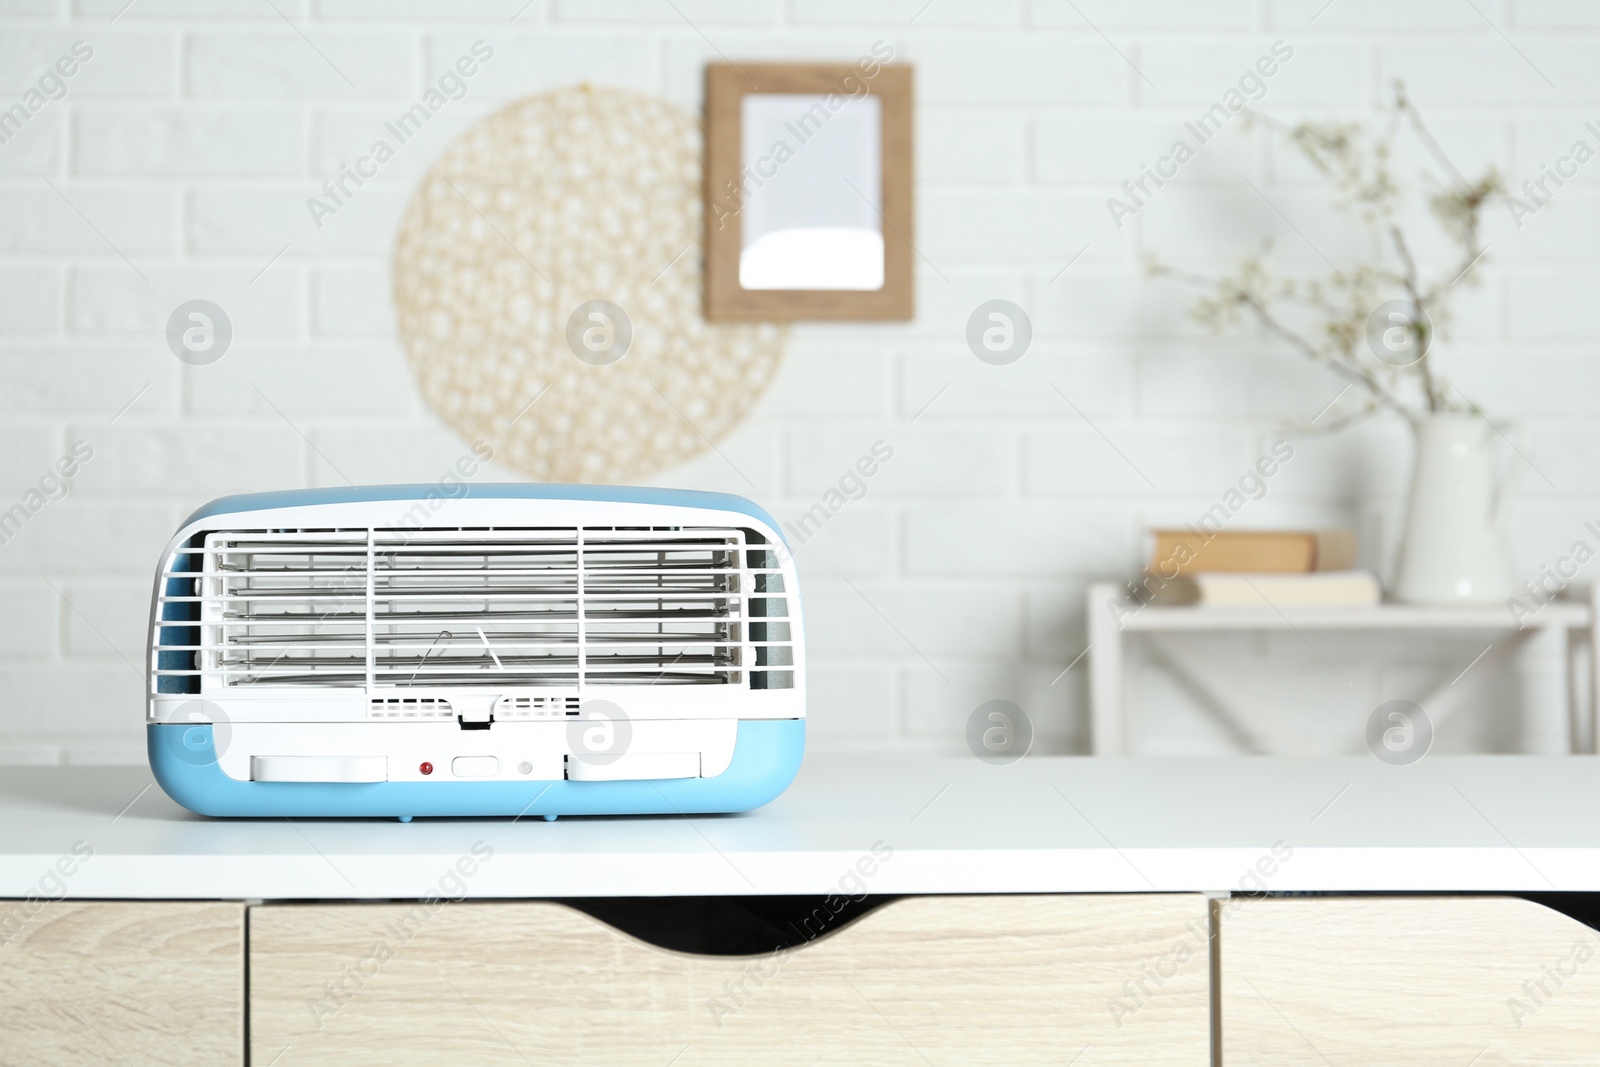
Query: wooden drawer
pixel 136 983
pixel 1023 979
pixel 1421 981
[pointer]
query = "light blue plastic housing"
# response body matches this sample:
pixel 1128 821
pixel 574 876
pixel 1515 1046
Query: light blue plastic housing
pixel 626 494
pixel 766 757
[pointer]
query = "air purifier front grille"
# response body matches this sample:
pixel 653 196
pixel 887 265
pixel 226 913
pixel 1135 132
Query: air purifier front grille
pixel 392 609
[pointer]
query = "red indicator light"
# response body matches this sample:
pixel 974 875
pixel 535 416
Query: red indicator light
pixel 426 768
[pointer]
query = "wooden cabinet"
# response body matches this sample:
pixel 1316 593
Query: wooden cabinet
pixel 135 983
pixel 1447 981
pixel 1422 981
pixel 993 979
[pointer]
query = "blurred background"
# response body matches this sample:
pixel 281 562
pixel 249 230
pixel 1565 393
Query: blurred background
pixel 177 161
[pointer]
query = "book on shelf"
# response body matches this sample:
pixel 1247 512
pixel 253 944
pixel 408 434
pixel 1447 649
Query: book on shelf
pixel 1198 551
pixel 1321 589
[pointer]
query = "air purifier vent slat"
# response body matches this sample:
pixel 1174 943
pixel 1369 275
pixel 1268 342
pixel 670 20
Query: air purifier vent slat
pixel 410 708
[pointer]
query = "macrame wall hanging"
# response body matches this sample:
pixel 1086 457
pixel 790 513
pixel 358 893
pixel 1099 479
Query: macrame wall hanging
pixel 547 283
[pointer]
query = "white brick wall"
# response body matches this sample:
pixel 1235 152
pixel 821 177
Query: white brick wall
pixel 179 162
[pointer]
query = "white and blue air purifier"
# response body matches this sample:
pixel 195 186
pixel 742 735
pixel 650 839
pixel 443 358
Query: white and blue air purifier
pixel 483 650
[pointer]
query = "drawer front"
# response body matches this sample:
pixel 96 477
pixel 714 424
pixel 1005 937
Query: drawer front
pixel 1005 980
pixel 140 983
pixel 1421 981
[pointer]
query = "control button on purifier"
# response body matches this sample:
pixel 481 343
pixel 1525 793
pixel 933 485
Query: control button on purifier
pixel 474 766
pixel 426 768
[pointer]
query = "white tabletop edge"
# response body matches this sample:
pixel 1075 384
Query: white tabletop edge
pixel 879 824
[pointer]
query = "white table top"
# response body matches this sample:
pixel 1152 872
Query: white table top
pixel 955 825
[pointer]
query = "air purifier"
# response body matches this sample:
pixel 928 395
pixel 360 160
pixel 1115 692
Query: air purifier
pixel 476 650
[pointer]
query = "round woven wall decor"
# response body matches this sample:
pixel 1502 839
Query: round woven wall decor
pixel 554 252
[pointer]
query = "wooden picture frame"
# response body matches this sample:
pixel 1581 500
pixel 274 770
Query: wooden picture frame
pixel 726 187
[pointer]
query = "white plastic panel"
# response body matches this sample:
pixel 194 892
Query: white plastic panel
pixel 319 769
pixel 635 766
pixel 540 746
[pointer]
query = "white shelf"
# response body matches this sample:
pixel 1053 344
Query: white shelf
pixel 1057 824
pixel 1557 615
pixel 1111 616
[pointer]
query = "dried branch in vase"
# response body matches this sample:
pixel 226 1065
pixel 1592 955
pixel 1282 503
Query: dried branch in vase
pixel 1374 324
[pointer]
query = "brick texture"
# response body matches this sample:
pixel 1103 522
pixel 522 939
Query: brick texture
pixel 176 165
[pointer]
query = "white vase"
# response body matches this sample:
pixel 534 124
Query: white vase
pixel 1454 548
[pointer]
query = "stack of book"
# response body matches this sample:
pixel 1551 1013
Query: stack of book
pixel 1281 568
